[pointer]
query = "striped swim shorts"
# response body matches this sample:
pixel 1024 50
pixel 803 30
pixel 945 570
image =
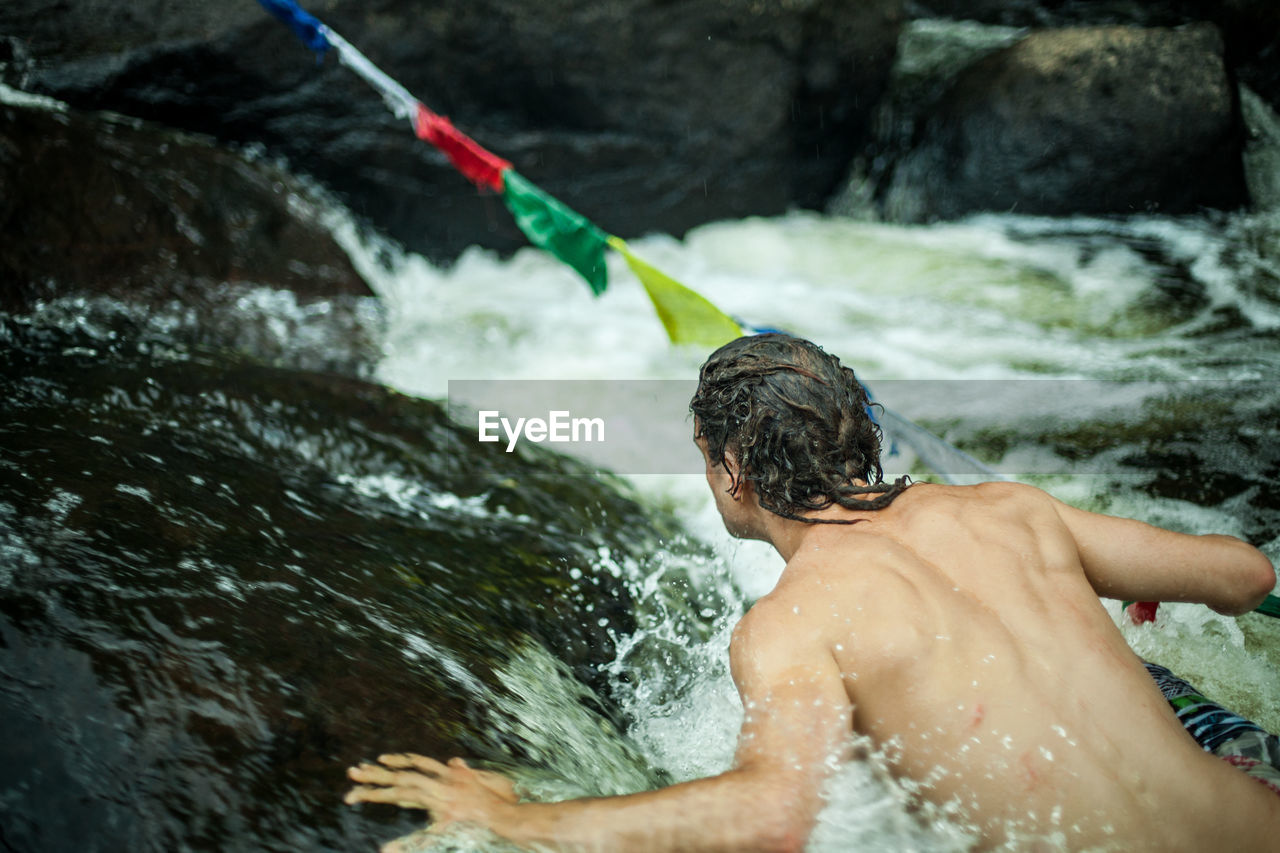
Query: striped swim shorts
pixel 1228 735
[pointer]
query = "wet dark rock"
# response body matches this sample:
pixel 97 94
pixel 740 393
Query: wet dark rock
pixel 95 205
pixel 641 114
pixel 1262 150
pixel 1250 28
pixel 931 53
pixel 1084 120
pixel 222 583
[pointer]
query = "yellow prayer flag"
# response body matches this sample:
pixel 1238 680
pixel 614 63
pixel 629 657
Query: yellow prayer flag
pixel 688 317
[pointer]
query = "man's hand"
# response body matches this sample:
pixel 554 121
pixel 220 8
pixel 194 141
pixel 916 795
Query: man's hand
pixel 450 792
pixel 798 718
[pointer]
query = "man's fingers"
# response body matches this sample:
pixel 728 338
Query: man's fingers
pixel 405 798
pixel 419 782
pixel 372 774
pixel 412 760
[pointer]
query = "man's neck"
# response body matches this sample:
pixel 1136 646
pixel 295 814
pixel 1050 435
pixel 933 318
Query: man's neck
pixel 788 536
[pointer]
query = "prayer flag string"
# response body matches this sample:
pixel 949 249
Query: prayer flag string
pixel 546 221
pixel 687 316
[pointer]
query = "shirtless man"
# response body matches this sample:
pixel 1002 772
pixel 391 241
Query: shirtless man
pixel 958 628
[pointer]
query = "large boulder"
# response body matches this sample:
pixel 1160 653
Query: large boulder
pixel 641 114
pixel 1094 120
pixel 223 583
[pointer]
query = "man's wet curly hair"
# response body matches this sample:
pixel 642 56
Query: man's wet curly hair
pixel 798 422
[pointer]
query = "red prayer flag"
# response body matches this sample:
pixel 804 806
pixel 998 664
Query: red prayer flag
pixel 1142 611
pixel 478 165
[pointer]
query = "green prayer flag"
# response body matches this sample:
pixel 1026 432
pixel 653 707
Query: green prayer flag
pixel 688 317
pixel 552 226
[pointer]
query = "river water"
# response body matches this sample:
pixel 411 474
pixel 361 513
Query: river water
pixel 1126 365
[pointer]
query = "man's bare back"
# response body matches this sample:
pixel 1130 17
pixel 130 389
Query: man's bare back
pixel 975 652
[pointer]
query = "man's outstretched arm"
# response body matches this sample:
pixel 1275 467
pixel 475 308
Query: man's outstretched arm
pixel 1135 561
pixel 797 720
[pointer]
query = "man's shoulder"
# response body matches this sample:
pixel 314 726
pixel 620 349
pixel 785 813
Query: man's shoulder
pixel 1009 490
pixel 1016 497
pixel 986 511
pixel 859 567
pixel 792 609
pixel 775 634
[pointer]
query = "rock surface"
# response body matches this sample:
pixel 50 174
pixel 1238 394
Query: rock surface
pixel 224 583
pixel 1081 120
pixel 96 205
pixel 110 205
pixel 1250 28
